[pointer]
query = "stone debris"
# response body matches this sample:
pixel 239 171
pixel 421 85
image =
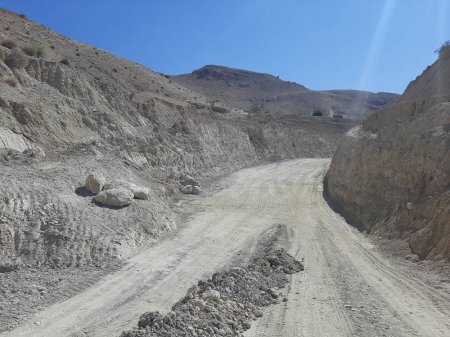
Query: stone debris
pixel 116 193
pixel 225 304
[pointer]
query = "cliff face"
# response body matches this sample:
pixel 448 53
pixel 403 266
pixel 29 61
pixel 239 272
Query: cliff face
pixel 392 175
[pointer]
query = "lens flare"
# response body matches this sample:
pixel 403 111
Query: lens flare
pixel 376 45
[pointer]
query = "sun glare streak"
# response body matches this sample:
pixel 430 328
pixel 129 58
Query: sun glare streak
pixel 442 20
pixel 441 34
pixel 376 45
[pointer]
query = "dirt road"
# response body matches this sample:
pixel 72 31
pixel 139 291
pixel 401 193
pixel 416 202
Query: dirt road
pixel 347 289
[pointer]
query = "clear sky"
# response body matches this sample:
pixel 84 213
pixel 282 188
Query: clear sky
pixel 377 45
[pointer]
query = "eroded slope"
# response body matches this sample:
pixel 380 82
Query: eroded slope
pixel 392 176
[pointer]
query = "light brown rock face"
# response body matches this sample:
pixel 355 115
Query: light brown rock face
pixel 393 175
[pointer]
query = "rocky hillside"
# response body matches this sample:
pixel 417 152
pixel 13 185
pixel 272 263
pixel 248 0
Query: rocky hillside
pixel 264 94
pixel 67 108
pixel 392 175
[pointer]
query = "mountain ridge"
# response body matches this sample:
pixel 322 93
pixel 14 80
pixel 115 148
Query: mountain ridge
pixel 267 94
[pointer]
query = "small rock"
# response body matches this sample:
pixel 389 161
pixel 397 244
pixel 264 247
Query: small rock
pixel 211 295
pixel 38 323
pixel 196 190
pixel 410 205
pixel 140 192
pixel 246 325
pixel 186 189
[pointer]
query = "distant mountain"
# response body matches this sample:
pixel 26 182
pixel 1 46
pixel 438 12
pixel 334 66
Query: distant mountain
pixel 267 94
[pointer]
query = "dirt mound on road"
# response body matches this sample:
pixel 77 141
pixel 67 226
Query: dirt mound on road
pixel 226 303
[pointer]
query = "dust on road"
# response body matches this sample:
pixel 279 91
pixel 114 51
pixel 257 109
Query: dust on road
pixel 347 289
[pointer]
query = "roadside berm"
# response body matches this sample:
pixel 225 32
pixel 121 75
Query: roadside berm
pixel 227 303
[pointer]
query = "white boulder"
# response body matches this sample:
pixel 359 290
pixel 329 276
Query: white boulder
pixel 95 182
pixel 116 197
pixel 139 192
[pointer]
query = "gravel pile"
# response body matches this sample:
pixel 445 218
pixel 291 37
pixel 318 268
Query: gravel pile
pixel 226 304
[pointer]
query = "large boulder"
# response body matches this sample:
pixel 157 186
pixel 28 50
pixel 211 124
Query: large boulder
pixel 116 197
pixel 139 192
pixel 95 182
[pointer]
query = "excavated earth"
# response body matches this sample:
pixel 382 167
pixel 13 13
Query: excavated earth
pixel 71 267
pixel 75 109
pixel 226 303
pixel 391 176
pixel 348 287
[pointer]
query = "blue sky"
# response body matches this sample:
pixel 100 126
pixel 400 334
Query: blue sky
pixel 377 45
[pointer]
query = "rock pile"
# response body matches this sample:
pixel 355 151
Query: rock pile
pixel 115 194
pixel 226 304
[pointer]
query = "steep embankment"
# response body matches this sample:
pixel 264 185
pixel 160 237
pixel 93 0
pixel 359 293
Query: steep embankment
pixel 264 94
pixel 392 175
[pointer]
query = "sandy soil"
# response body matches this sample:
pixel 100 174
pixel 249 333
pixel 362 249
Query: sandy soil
pixel 347 289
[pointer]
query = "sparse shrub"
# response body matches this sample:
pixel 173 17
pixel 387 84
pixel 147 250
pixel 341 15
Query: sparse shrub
pixel 23 16
pixel 444 49
pixel 12 81
pixel 52 47
pixel 66 62
pixel 34 51
pixel 77 54
pixel 114 70
pixel 10 44
pixel 317 113
pixel 16 59
pixel 40 52
pixel 30 51
pixel 2 55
